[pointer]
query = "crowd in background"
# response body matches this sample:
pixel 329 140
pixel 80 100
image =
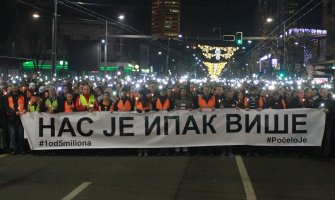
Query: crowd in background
pixel 71 96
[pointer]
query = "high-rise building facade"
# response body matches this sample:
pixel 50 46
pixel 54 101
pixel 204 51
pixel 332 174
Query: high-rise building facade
pixel 290 11
pixel 329 23
pixel 165 16
pixel 304 40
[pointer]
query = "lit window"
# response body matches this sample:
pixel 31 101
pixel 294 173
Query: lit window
pixel 174 10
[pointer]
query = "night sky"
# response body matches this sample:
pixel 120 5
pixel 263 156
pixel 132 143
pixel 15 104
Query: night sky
pixel 198 18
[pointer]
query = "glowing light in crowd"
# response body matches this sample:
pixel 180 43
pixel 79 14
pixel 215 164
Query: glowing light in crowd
pixel 138 82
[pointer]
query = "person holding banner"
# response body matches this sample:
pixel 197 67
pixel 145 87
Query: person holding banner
pixel 194 90
pixel 183 102
pixel 29 94
pixel 106 104
pixel 87 101
pixel 171 95
pixel 228 102
pixel 153 92
pixel 266 99
pixel 219 94
pixel 162 103
pixel 52 104
pixel 328 106
pixel 240 100
pixel 34 103
pixel 208 102
pixel 277 101
pixel 124 103
pixel 69 105
pixel 16 105
pixel 142 105
pixel 308 98
pixel 253 101
pixel 298 99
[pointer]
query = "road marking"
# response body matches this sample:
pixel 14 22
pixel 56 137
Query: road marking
pixel 76 191
pixel 249 190
pixel 4 155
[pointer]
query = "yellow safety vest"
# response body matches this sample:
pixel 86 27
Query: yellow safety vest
pixel 54 104
pixel 84 102
pixel 31 108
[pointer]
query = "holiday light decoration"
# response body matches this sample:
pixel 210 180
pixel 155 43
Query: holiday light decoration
pixel 209 52
pixel 218 52
pixel 215 69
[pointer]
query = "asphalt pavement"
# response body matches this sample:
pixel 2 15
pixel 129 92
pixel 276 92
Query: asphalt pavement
pixel 168 177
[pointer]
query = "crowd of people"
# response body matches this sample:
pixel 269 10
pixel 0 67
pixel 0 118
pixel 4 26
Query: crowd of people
pixel 17 99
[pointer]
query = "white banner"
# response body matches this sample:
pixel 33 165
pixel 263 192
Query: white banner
pixel 291 127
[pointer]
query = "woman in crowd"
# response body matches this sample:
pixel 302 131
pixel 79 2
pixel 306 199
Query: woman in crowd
pixel 69 104
pixel 183 102
pixel 106 104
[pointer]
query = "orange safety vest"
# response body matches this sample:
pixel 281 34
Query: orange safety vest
pixel 139 106
pixel 67 107
pixel 20 103
pixel 165 106
pixel 123 107
pixel 284 104
pixel 202 103
pixel 110 109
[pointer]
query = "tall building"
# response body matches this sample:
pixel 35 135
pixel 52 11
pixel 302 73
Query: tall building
pixel 165 20
pixel 269 9
pixel 329 23
pixel 299 19
pixel 289 11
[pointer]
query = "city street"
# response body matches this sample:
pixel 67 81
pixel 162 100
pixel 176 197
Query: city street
pixel 167 100
pixel 171 177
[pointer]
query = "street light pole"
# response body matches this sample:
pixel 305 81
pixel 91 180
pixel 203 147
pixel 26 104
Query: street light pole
pixel 105 51
pixel 270 20
pixel 284 39
pixel 167 57
pixel 54 41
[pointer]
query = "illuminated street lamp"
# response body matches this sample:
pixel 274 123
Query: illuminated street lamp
pixel 35 16
pixel 269 20
pixel 121 17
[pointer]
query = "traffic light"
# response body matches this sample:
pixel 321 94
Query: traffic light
pixel 281 74
pixel 239 38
